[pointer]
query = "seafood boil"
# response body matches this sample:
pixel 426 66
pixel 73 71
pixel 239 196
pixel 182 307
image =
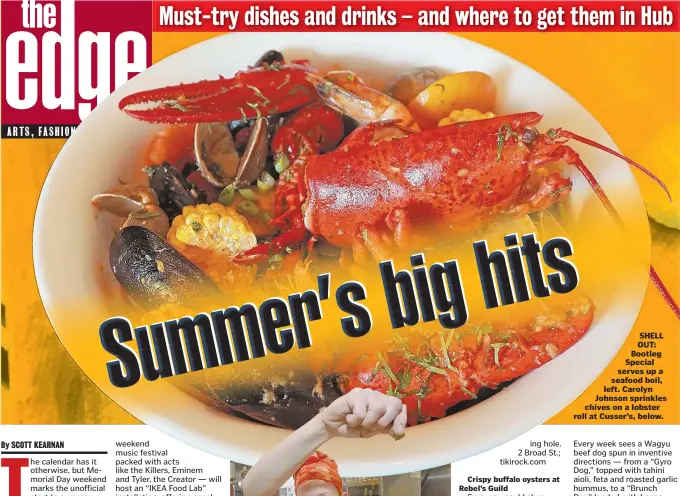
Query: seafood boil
pixel 282 169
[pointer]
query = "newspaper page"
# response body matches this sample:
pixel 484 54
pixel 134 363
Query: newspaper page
pixel 340 248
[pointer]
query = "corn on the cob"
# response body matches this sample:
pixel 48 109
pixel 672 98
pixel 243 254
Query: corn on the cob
pixel 211 236
pixel 465 115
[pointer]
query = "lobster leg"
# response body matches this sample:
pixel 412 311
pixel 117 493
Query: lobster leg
pixel 572 158
pixel 551 189
pixel 400 224
pixel 312 130
pixel 360 253
pixel 288 239
pixel 262 252
pixel 377 244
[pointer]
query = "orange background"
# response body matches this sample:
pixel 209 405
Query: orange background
pixel 630 82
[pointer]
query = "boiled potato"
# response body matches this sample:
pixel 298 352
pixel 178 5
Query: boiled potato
pixel 456 91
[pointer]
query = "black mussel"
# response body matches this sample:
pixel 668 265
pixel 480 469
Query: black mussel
pixel 275 121
pixel 173 190
pixel 152 272
pixel 270 58
pixel 189 168
pixel 482 394
pixel 235 126
pixel 283 400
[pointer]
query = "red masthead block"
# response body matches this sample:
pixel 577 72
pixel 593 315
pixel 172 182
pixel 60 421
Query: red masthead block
pixel 527 16
pixel 62 58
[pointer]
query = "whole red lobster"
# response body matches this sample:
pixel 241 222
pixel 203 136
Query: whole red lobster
pixel 367 193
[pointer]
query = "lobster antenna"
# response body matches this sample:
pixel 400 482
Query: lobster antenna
pixel 576 137
pixel 572 158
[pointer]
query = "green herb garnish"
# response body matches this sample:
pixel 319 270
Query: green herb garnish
pixel 362 357
pixel 504 134
pixel 144 215
pixel 226 197
pixel 254 106
pixel 421 362
pixel 449 338
pixel 298 87
pixel 248 208
pixel 405 379
pixel 445 353
pixel 281 162
pixel 248 194
pixel 468 392
pixel 178 106
pixel 387 368
pixel 496 347
pixel 257 91
pixel 482 331
pixel 285 82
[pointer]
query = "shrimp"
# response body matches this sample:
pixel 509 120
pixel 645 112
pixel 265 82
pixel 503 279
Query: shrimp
pixel 345 92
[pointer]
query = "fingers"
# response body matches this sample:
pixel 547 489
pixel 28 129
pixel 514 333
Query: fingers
pixel 367 413
pixel 376 410
pixel 382 410
pixel 357 400
pixel 399 424
pixel 394 409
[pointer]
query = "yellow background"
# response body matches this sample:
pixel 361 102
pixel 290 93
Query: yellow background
pixel 630 82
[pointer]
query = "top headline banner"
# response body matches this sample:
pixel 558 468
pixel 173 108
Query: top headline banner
pixel 415 16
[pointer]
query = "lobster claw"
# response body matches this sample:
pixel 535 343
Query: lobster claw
pixel 261 91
